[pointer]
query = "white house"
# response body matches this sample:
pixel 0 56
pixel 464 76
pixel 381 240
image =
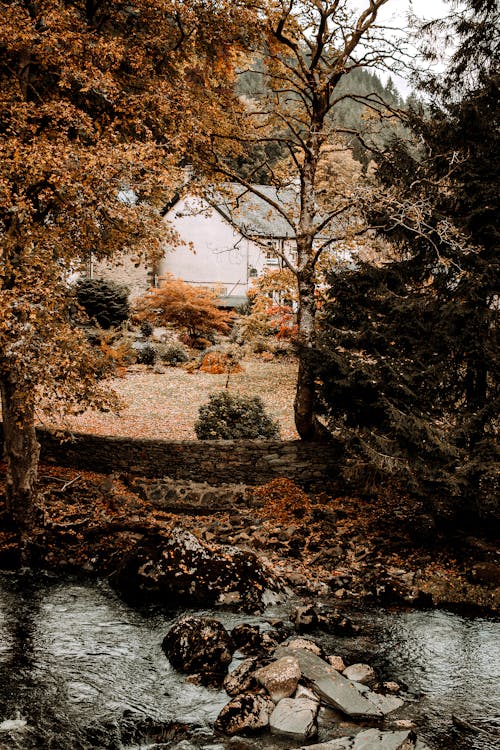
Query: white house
pixel 226 238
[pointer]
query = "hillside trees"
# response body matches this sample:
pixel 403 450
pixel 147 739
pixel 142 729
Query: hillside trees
pixel 310 48
pixel 409 355
pixel 97 97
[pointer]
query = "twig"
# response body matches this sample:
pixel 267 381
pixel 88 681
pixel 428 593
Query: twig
pixel 68 484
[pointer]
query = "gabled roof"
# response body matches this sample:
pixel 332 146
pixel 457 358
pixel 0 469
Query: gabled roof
pixel 254 216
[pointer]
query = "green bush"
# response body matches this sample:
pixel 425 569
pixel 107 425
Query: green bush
pixel 146 328
pixel 173 355
pixel 146 355
pixel 230 417
pixel 105 302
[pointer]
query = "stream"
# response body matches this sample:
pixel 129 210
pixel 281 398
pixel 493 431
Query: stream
pixel 77 664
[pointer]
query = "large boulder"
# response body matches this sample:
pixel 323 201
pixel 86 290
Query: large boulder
pixel 245 713
pixel 179 567
pixel 199 645
pixel 295 717
pixel 280 678
pixel 241 679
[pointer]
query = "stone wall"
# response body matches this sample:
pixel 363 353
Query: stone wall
pixel 215 462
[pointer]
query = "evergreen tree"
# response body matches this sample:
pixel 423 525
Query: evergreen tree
pixel 409 350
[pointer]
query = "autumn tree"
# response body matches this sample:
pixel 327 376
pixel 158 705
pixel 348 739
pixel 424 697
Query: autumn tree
pixel 97 97
pixel 310 48
pixel 191 309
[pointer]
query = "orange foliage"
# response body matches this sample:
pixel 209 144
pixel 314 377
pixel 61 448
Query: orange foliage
pixel 219 363
pixel 282 501
pixel 184 306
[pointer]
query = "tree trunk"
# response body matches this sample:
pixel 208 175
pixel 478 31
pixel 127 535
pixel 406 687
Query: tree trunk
pixel 307 424
pixel 21 453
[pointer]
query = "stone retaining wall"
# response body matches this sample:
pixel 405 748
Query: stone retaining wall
pixel 215 462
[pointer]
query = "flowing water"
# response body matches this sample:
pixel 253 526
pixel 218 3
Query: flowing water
pixel 78 666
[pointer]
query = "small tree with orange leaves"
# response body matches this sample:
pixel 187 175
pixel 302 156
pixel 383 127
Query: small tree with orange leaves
pixel 188 308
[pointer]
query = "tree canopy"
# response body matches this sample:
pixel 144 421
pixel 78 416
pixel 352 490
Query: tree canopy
pixel 409 356
pixel 98 103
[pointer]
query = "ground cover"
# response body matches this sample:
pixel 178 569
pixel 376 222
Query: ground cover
pixel 320 544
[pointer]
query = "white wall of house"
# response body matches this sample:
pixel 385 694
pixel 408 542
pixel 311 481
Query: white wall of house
pixel 126 271
pixel 212 253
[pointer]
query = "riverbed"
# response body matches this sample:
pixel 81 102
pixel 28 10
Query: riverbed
pixel 76 663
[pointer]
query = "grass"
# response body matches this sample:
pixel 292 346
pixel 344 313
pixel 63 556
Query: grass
pixel 165 405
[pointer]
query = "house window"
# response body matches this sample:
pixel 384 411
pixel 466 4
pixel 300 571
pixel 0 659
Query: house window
pixel 270 254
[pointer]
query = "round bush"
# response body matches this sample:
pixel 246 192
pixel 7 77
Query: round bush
pixel 105 302
pixel 146 355
pixel 230 417
pixel 173 355
pixel 146 328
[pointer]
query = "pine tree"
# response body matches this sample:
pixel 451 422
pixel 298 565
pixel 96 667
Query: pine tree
pixel 409 354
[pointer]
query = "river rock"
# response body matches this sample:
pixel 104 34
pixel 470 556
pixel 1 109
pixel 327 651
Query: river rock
pixel 371 739
pixel 336 661
pixel 304 618
pixel 331 686
pixel 245 713
pixel 307 644
pixel 247 638
pixel 360 673
pixel 241 679
pixel 280 678
pixel 386 704
pixel 295 717
pixel 179 567
pixel 199 645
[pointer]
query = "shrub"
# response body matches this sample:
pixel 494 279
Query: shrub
pixel 188 308
pixel 146 355
pixel 105 302
pixel 146 328
pixel 173 355
pixel 231 417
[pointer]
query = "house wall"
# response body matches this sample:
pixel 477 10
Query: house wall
pixel 223 256
pixel 138 278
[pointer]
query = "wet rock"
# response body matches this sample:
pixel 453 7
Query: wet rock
pixel 371 739
pixel 386 704
pixel 362 673
pixel 245 713
pixel 304 618
pixel 181 567
pixel 307 644
pixel 335 622
pixel 331 686
pixel 247 638
pixel 280 678
pixel 391 687
pixel 198 645
pixel 241 679
pixel 295 717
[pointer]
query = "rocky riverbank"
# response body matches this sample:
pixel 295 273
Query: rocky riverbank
pixel 385 550
pixel 290 687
